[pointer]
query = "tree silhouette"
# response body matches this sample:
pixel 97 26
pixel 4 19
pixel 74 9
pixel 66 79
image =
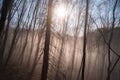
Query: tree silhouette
pixel 47 43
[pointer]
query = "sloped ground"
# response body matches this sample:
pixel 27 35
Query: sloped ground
pixel 96 58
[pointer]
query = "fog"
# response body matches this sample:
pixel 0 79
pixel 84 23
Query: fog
pixel 59 40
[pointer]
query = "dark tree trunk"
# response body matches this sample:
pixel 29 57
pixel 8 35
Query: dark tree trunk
pixel 110 41
pixel 7 4
pixel 84 42
pixel 47 42
pixel 5 9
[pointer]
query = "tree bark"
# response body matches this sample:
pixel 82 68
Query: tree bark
pixel 7 4
pixel 5 9
pixel 47 42
pixel 84 42
pixel 110 41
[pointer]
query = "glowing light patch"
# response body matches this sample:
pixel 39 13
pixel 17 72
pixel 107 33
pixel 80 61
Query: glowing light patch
pixel 60 11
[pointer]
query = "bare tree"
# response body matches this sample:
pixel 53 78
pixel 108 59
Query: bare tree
pixel 5 8
pixel 74 47
pixel 84 41
pixel 110 40
pixel 47 42
pixel 7 4
pixel 15 34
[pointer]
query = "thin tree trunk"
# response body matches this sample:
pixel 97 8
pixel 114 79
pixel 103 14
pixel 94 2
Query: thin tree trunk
pixel 64 30
pixel 15 35
pixel 84 42
pixel 73 55
pixel 5 9
pixel 47 42
pixel 110 41
pixel 74 48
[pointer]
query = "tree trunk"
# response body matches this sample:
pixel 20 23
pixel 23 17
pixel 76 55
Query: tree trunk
pixel 7 4
pixel 84 42
pixel 110 41
pixel 5 9
pixel 47 42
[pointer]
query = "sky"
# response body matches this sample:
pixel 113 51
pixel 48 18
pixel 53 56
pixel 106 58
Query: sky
pixel 79 8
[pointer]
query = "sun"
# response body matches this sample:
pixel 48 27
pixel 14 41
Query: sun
pixel 60 11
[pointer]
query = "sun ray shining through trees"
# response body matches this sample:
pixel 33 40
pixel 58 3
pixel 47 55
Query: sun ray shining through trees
pixel 59 39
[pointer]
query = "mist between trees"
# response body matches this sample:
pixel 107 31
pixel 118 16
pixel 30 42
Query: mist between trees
pixel 59 40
